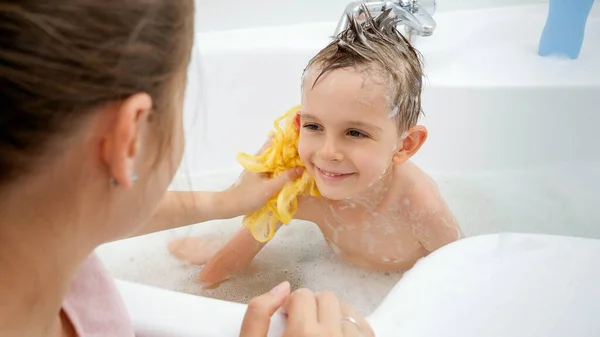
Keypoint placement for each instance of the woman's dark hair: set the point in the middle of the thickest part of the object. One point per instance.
(61, 59)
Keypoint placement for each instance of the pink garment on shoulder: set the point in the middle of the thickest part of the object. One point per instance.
(94, 305)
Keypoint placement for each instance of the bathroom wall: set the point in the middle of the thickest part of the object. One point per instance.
(231, 14)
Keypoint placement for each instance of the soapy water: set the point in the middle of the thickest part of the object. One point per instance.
(561, 200)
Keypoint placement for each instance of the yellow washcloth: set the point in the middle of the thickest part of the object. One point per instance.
(280, 156)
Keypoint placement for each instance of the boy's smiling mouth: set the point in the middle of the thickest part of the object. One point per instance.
(332, 176)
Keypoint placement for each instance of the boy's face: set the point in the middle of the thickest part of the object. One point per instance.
(347, 135)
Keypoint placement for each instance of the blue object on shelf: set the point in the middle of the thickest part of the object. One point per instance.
(565, 27)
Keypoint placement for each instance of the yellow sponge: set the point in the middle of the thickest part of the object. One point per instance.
(281, 155)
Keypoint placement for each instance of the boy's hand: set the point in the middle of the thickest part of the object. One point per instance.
(193, 250)
(235, 255)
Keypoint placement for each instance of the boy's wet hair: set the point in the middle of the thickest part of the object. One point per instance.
(60, 60)
(376, 46)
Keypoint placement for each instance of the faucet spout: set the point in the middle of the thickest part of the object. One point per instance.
(415, 18)
(409, 13)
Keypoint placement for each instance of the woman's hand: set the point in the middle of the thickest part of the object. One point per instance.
(309, 314)
(252, 190)
(249, 193)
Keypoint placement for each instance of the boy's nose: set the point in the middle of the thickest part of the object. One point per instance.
(330, 151)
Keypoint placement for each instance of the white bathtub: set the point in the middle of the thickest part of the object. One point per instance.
(513, 146)
(490, 101)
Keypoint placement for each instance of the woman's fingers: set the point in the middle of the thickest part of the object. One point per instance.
(260, 309)
(349, 329)
(302, 308)
(309, 314)
(329, 309)
(273, 185)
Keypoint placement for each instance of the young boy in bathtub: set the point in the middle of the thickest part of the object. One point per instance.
(361, 99)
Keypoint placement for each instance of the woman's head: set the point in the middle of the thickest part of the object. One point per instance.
(92, 90)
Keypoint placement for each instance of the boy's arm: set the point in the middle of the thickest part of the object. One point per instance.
(234, 256)
(240, 250)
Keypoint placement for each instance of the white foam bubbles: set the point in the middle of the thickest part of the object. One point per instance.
(557, 201)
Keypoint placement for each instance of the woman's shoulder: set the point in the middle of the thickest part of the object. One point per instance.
(93, 303)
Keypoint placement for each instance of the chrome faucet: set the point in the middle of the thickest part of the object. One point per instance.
(414, 15)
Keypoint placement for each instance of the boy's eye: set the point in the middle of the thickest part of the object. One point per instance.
(312, 127)
(356, 134)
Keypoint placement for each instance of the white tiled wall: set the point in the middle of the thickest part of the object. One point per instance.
(229, 14)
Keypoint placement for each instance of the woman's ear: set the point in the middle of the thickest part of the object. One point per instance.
(121, 140)
(410, 144)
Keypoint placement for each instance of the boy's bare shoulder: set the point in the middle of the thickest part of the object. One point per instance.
(427, 206)
(413, 188)
(410, 181)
